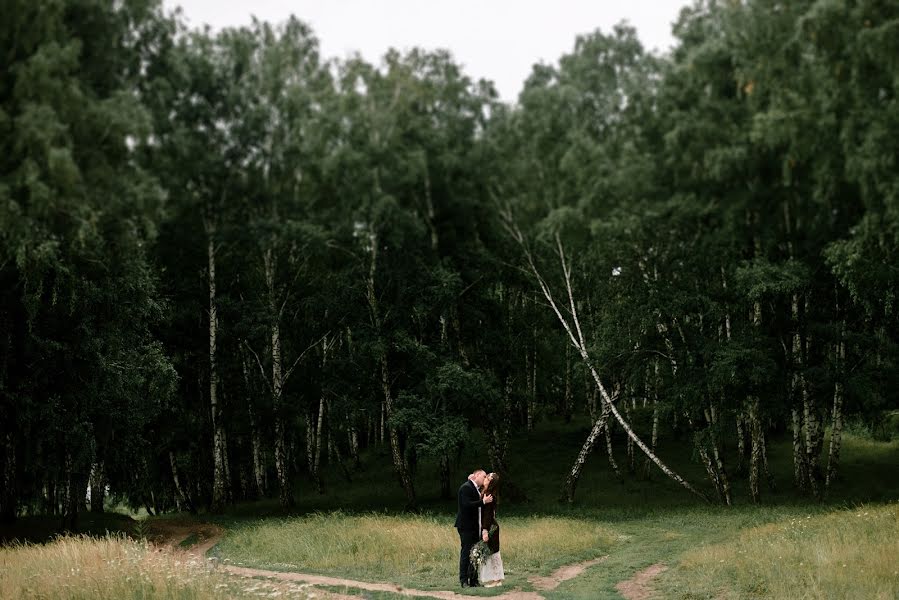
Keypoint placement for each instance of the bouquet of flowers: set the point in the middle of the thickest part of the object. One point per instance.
(481, 551)
(479, 554)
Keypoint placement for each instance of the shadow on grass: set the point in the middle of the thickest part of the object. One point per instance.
(41, 529)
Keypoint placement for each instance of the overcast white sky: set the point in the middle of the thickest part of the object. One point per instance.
(497, 40)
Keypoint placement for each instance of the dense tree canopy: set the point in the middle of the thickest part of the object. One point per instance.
(226, 261)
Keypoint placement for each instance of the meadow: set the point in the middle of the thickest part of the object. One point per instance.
(788, 547)
(115, 567)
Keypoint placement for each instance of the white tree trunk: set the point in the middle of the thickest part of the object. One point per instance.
(836, 428)
(282, 462)
(798, 399)
(755, 457)
(741, 421)
(319, 434)
(219, 482)
(575, 473)
(566, 402)
(353, 441)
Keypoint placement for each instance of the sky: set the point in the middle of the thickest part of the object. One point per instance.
(499, 40)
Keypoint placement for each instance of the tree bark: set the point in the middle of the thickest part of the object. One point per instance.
(813, 439)
(836, 428)
(655, 437)
(310, 439)
(317, 454)
(282, 464)
(707, 446)
(712, 419)
(741, 423)
(219, 483)
(566, 402)
(798, 396)
(755, 457)
(575, 473)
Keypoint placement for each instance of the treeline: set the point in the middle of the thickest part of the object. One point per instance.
(227, 262)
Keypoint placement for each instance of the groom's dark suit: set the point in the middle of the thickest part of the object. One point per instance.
(467, 525)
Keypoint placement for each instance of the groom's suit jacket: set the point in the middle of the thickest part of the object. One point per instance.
(469, 502)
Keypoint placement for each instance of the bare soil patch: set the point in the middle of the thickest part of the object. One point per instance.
(638, 586)
(563, 574)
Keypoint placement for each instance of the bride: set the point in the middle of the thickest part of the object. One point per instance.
(491, 572)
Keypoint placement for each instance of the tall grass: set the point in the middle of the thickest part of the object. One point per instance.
(419, 550)
(839, 555)
(113, 568)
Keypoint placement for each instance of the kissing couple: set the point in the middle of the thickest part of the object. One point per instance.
(479, 561)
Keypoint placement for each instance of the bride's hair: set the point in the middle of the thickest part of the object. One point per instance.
(492, 486)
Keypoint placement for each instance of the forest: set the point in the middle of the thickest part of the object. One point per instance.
(229, 264)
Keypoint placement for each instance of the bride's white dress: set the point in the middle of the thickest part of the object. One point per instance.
(491, 572)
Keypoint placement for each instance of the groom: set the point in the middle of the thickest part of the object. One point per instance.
(468, 523)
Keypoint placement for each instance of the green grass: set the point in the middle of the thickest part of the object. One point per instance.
(359, 530)
(843, 554)
(113, 568)
(411, 550)
(636, 522)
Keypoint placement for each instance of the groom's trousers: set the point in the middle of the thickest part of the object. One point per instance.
(467, 575)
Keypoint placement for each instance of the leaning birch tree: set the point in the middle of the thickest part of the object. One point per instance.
(565, 308)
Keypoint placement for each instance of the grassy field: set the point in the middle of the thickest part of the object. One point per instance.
(789, 547)
(637, 523)
(843, 554)
(115, 568)
(412, 550)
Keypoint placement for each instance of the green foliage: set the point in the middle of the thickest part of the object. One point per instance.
(727, 216)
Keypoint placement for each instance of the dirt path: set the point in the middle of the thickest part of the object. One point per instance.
(637, 587)
(563, 574)
(365, 585)
(174, 533)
